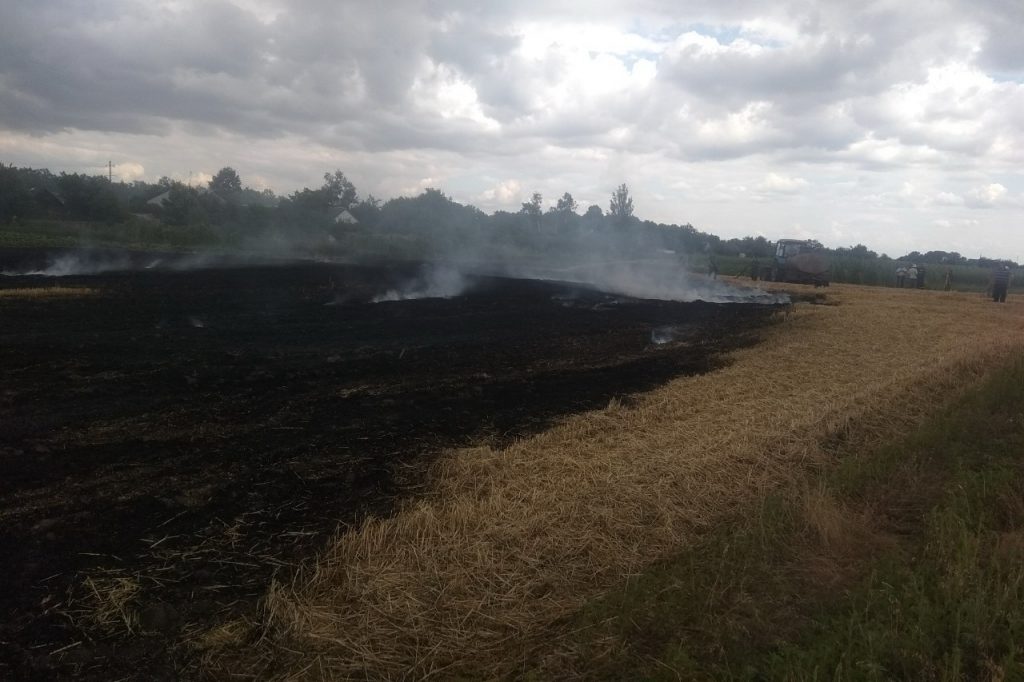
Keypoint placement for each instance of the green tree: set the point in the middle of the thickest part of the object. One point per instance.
(532, 209)
(89, 198)
(226, 182)
(367, 211)
(338, 191)
(621, 206)
(182, 206)
(566, 204)
(15, 198)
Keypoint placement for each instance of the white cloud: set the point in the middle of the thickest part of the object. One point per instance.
(881, 118)
(129, 171)
(781, 184)
(444, 93)
(750, 124)
(505, 193)
(985, 196)
(947, 199)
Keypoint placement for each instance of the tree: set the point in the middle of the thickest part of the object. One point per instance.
(621, 206)
(338, 191)
(367, 211)
(226, 182)
(566, 204)
(89, 198)
(182, 206)
(15, 198)
(532, 209)
(593, 218)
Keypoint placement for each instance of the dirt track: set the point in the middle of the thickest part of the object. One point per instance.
(182, 435)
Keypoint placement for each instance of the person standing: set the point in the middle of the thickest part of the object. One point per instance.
(912, 276)
(948, 283)
(901, 274)
(1000, 283)
(920, 276)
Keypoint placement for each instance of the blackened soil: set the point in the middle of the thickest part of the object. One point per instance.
(169, 443)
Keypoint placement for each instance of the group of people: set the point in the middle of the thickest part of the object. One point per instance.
(913, 277)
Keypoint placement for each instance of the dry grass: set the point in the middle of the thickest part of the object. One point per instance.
(47, 292)
(473, 579)
(110, 602)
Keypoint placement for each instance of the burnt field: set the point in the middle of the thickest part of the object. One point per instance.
(171, 439)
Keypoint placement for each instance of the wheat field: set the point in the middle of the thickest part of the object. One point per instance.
(476, 577)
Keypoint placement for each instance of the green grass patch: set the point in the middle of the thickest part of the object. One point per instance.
(902, 563)
(14, 238)
(137, 233)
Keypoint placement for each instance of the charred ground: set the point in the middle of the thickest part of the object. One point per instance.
(170, 442)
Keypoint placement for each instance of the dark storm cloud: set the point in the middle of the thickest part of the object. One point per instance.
(381, 45)
(115, 67)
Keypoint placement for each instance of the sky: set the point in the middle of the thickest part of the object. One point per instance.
(895, 124)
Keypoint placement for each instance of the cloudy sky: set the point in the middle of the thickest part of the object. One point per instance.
(892, 123)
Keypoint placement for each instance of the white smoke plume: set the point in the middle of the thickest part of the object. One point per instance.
(661, 282)
(87, 262)
(663, 335)
(658, 279)
(434, 282)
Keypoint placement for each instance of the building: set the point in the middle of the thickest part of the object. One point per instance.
(343, 217)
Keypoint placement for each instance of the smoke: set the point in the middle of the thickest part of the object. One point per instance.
(636, 259)
(626, 260)
(668, 281)
(663, 335)
(629, 260)
(663, 279)
(75, 263)
(93, 262)
(433, 282)
(196, 261)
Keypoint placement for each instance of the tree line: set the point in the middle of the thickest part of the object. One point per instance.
(333, 216)
(229, 212)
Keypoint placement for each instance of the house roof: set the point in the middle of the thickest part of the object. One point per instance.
(160, 199)
(164, 197)
(343, 216)
(46, 195)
